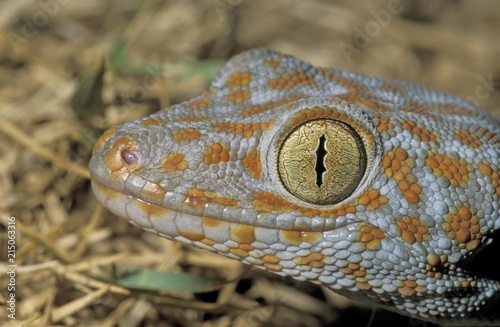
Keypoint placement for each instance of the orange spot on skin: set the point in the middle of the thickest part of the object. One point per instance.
(193, 236)
(200, 103)
(315, 256)
(211, 223)
(243, 234)
(487, 170)
(152, 210)
(370, 236)
(239, 79)
(298, 237)
(153, 122)
(247, 247)
(314, 260)
(372, 199)
(354, 269)
(153, 191)
(419, 132)
(273, 63)
(252, 163)
(197, 199)
(363, 285)
(436, 265)
(468, 283)
(467, 138)
(187, 134)
(207, 241)
(357, 272)
(292, 237)
(384, 123)
(226, 202)
(316, 264)
(268, 202)
(455, 170)
(311, 237)
(174, 161)
(463, 227)
(411, 230)
(250, 111)
(239, 252)
(246, 130)
(238, 96)
(410, 288)
(271, 262)
(216, 153)
(271, 258)
(291, 80)
(398, 165)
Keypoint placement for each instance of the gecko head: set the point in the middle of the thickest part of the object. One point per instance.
(314, 174)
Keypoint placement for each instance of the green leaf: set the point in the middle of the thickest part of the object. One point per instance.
(87, 97)
(153, 280)
(119, 62)
(118, 56)
(207, 68)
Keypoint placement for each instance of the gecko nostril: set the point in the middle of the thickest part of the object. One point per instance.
(129, 157)
(121, 154)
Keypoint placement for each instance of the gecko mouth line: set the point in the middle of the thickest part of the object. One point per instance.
(118, 201)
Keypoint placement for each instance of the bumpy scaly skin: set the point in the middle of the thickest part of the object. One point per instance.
(204, 172)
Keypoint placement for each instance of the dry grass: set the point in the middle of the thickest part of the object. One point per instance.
(68, 248)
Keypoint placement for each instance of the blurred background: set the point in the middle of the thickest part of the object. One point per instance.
(71, 69)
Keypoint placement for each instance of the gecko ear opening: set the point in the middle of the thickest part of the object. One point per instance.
(322, 161)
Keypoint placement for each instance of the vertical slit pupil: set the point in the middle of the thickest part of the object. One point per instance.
(320, 160)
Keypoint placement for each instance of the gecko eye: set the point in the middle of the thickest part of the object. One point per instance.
(322, 161)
